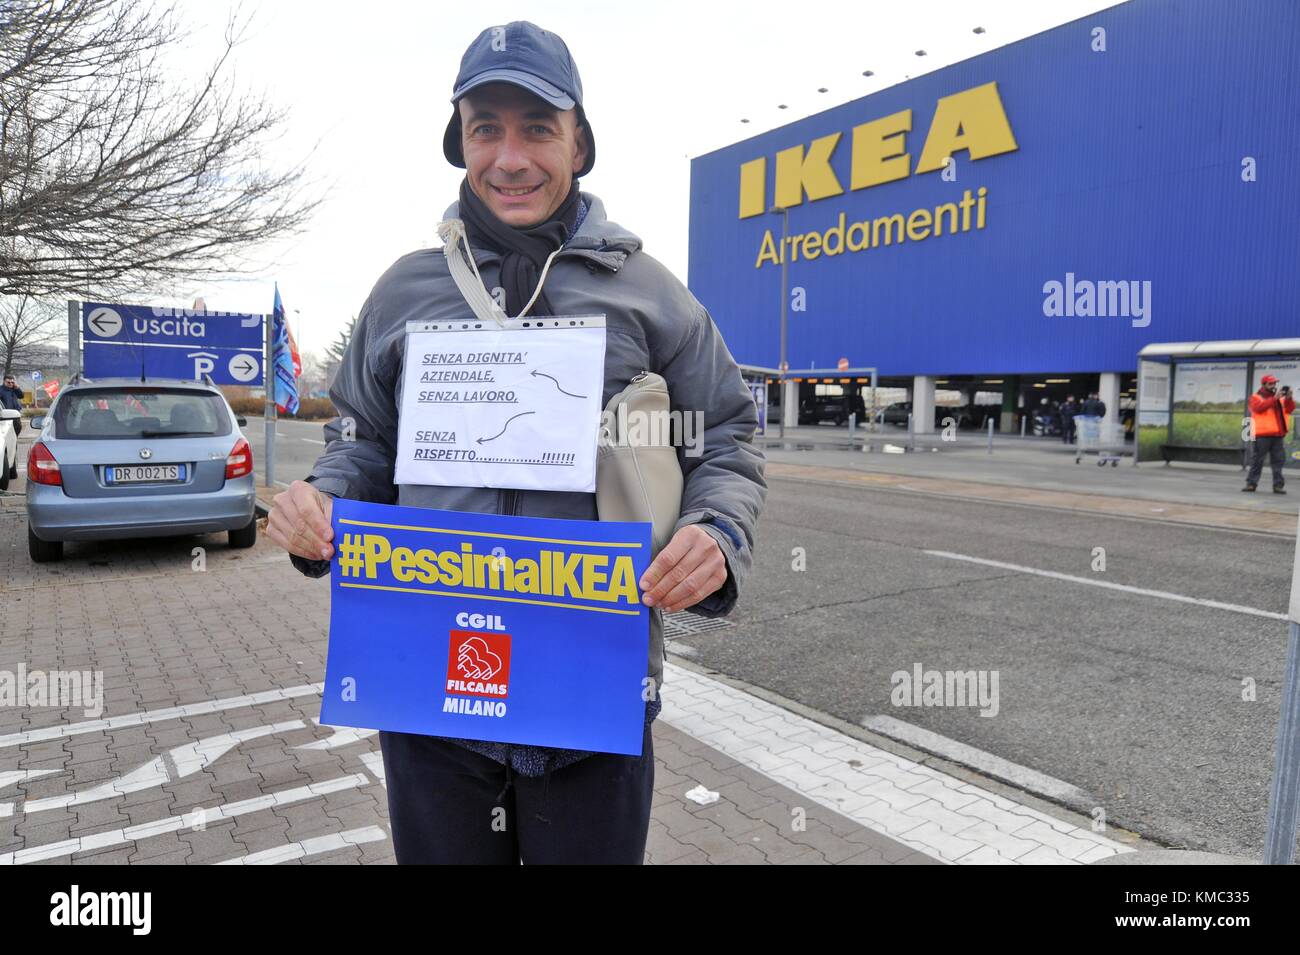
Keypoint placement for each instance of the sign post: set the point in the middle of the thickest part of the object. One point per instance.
(74, 339)
(1284, 798)
(268, 323)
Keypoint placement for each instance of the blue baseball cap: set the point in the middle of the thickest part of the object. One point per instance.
(524, 55)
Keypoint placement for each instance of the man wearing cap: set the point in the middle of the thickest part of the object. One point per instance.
(519, 130)
(11, 397)
(1270, 420)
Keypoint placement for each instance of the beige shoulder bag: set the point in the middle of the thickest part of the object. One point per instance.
(639, 482)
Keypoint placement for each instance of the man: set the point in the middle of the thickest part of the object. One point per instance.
(1094, 406)
(1270, 420)
(519, 130)
(1068, 411)
(11, 397)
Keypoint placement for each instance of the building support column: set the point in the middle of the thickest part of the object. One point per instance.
(1108, 392)
(790, 403)
(923, 404)
(1010, 404)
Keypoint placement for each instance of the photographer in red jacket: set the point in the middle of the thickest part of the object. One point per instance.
(1270, 419)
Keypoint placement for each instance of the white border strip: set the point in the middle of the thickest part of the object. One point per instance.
(929, 811)
(1022, 777)
(153, 716)
(1092, 582)
(115, 837)
(311, 847)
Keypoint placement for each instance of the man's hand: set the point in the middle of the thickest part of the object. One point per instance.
(300, 521)
(689, 569)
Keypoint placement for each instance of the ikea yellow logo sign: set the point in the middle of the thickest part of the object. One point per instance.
(973, 120)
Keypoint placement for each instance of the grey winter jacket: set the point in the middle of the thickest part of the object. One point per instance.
(653, 323)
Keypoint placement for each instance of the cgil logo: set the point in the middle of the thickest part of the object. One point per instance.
(973, 120)
(478, 663)
(103, 908)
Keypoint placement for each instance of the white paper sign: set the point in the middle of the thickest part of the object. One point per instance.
(513, 406)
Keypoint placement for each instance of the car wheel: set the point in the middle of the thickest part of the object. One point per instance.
(42, 552)
(245, 536)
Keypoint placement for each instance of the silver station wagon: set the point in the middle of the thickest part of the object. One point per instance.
(121, 458)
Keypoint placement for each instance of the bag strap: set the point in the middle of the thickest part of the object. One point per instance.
(470, 283)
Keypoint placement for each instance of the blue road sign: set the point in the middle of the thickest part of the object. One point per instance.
(145, 325)
(226, 365)
(126, 340)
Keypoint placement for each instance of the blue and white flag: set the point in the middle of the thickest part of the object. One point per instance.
(284, 360)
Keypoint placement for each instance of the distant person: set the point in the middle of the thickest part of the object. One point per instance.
(1270, 419)
(1042, 424)
(1068, 411)
(1094, 406)
(11, 398)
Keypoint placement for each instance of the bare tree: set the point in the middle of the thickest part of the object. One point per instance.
(316, 374)
(28, 330)
(115, 177)
(335, 351)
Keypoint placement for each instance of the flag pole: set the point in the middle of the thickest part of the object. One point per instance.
(268, 376)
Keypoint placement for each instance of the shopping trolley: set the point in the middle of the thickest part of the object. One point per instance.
(1088, 441)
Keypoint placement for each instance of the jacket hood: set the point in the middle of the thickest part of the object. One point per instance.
(597, 232)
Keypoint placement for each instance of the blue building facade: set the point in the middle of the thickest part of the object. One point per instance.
(1123, 179)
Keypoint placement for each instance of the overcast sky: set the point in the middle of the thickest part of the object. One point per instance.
(367, 86)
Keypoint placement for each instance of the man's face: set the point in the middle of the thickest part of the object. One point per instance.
(10, 383)
(520, 152)
(1270, 386)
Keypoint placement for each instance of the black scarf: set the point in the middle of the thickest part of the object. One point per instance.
(523, 251)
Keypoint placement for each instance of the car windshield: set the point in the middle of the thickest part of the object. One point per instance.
(140, 412)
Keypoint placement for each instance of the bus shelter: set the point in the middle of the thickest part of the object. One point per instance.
(1192, 398)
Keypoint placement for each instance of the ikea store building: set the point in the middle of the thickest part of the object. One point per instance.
(1118, 195)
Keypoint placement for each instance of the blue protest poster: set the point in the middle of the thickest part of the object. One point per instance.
(488, 627)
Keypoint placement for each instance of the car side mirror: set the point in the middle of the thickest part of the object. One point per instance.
(10, 413)
(241, 421)
(38, 422)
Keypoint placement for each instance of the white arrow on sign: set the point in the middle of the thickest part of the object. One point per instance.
(243, 368)
(36, 376)
(104, 322)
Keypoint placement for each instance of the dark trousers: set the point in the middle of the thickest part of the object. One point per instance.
(1270, 447)
(446, 806)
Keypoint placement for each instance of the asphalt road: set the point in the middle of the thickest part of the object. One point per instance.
(1135, 699)
(297, 445)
